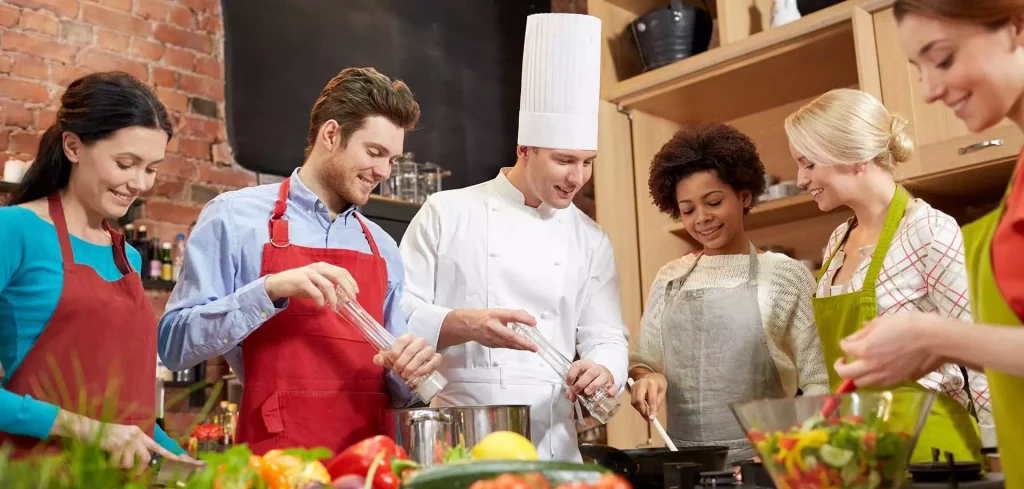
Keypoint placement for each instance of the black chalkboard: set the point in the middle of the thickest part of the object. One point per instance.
(462, 59)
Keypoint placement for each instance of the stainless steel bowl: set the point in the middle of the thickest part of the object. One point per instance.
(427, 433)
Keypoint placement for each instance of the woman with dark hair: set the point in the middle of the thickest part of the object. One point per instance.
(971, 58)
(78, 336)
(728, 323)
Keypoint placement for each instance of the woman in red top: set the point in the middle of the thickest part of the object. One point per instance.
(971, 58)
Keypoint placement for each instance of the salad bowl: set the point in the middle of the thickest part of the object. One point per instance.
(864, 444)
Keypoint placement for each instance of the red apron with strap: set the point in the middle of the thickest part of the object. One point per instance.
(97, 354)
(310, 380)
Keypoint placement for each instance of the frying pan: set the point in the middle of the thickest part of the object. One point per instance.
(644, 467)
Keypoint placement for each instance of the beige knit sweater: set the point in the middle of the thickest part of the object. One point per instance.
(784, 296)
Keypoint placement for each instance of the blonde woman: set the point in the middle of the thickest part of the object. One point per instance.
(896, 254)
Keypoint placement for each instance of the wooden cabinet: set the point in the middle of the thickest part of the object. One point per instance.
(756, 77)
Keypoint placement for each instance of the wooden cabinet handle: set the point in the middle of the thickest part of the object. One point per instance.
(982, 145)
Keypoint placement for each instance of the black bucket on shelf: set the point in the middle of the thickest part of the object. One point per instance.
(670, 34)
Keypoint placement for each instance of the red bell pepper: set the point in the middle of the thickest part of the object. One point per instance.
(379, 455)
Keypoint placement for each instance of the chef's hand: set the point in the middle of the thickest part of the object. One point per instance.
(648, 393)
(888, 349)
(588, 377)
(124, 443)
(318, 281)
(409, 357)
(489, 327)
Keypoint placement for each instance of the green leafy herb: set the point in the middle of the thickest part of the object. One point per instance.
(457, 454)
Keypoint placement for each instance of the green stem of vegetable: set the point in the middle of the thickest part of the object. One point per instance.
(373, 470)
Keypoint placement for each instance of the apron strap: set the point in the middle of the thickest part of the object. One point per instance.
(118, 240)
(892, 221)
(279, 226)
(61, 225)
(842, 241)
(369, 237)
(752, 277)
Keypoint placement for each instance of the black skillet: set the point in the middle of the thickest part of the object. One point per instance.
(644, 467)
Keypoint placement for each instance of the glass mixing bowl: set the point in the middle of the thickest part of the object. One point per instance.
(864, 444)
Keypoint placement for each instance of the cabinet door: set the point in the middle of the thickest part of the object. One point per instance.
(943, 141)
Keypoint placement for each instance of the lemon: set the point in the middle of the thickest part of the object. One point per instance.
(504, 445)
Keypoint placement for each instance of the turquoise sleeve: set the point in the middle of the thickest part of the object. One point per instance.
(19, 415)
(12, 252)
(161, 438)
(23, 415)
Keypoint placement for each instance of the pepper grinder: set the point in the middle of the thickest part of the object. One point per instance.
(601, 406)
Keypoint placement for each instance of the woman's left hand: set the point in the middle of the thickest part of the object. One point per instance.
(889, 349)
(409, 357)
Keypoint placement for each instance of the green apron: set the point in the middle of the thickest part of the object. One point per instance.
(950, 427)
(989, 307)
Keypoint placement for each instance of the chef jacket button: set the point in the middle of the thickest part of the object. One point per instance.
(320, 205)
(494, 208)
(225, 340)
(309, 211)
(494, 254)
(263, 314)
(545, 315)
(558, 263)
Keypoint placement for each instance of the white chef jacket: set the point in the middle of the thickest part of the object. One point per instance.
(481, 247)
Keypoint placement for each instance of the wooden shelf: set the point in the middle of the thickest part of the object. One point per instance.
(158, 284)
(772, 213)
(693, 89)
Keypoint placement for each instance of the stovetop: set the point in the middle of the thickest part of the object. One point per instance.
(991, 481)
(751, 475)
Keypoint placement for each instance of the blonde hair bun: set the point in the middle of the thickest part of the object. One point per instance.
(901, 146)
(846, 126)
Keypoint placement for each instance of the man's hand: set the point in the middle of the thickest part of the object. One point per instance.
(648, 393)
(588, 377)
(410, 357)
(487, 327)
(318, 281)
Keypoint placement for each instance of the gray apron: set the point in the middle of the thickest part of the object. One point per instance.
(715, 354)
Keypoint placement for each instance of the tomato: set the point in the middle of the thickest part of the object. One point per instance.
(613, 481)
(755, 436)
(536, 481)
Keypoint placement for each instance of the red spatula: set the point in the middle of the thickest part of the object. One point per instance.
(832, 403)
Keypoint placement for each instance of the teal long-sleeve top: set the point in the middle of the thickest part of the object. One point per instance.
(31, 276)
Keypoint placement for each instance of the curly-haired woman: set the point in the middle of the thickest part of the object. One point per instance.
(728, 323)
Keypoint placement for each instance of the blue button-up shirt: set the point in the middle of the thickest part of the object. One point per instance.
(220, 299)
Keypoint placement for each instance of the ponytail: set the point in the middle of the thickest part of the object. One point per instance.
(49, 173)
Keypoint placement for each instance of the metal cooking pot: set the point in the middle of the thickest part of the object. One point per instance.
(427, 433)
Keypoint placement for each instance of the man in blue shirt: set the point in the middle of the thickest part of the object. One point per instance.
(266, 267)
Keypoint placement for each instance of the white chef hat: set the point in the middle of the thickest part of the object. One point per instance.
(560, 92)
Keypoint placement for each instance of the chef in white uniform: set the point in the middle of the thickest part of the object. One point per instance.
(515, 248)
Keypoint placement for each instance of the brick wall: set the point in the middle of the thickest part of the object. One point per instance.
(174, 45)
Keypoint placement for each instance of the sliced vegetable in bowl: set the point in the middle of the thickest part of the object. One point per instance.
(865, 445)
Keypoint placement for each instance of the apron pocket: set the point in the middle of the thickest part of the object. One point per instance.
(330, 419)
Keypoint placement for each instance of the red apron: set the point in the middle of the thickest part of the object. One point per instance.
(310, 380)
(97, 351)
